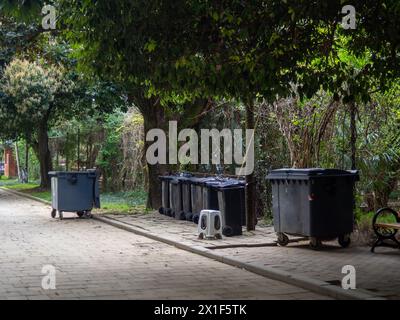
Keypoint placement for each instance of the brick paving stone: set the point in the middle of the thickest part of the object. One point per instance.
(97, 261)
(377, 272)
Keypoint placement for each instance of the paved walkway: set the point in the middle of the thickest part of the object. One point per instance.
(96, 261)
(378, 274)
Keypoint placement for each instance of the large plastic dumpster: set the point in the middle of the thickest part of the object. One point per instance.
(232, 205)
(165, 203)
(316, 203)
(74, 191)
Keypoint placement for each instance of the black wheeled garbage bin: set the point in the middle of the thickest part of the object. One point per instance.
(179, 195)
(210, 195)
(196, 196)
(316, 203)
(165, 203)
(232, 205)
(186, 182)
(196, 190)
(74, 191)
(175, 197)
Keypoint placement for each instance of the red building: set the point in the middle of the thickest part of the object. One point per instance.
(10, 166)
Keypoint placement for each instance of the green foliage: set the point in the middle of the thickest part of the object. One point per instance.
(379, 145)
(31, 92)
(227, 50)
(110, 155)
(33, 162)
(235, 49)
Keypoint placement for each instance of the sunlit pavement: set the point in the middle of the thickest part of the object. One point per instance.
(376, 274)
(93, 260)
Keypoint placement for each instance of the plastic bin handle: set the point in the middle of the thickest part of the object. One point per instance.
(72, 178)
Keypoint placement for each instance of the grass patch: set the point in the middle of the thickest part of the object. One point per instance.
(7, 182)
(367, 217)
(32, 189)
(22, 186)
(127, 202)
(44, 195)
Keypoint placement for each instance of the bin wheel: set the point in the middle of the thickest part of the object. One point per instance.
(283, 239)
(182, 215)
(344, 240)
(60, 214)
(315, 243)
(227, 231)
(161, 210)
(53, 213)
(189, 216)
(88, 214)
(80, 214)
(196, 218)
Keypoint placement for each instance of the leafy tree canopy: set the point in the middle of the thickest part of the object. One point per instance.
(234, 48)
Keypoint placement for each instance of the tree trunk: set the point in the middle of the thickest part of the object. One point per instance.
(353, 135)
(18, 164)
(43, 154)
(154, 117)
(250, 182)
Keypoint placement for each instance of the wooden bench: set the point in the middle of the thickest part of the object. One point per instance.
(386, 231)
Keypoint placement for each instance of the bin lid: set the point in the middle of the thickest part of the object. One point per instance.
(179, 176)
(167, 177)
(67, 173)
(201, 181)
(286, 173)
(174, 181)
(226, 183)
(184, 177)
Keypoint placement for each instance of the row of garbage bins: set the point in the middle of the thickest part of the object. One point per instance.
(184, 196)
(313, 202)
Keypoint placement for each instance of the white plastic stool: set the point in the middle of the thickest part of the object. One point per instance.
(210, 225)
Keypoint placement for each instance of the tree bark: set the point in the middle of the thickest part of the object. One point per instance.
(18, 164)
(43, 154)
(353, 135)
(251, 217)
(155, 116)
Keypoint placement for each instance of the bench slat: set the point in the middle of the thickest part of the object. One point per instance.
(388, 225)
